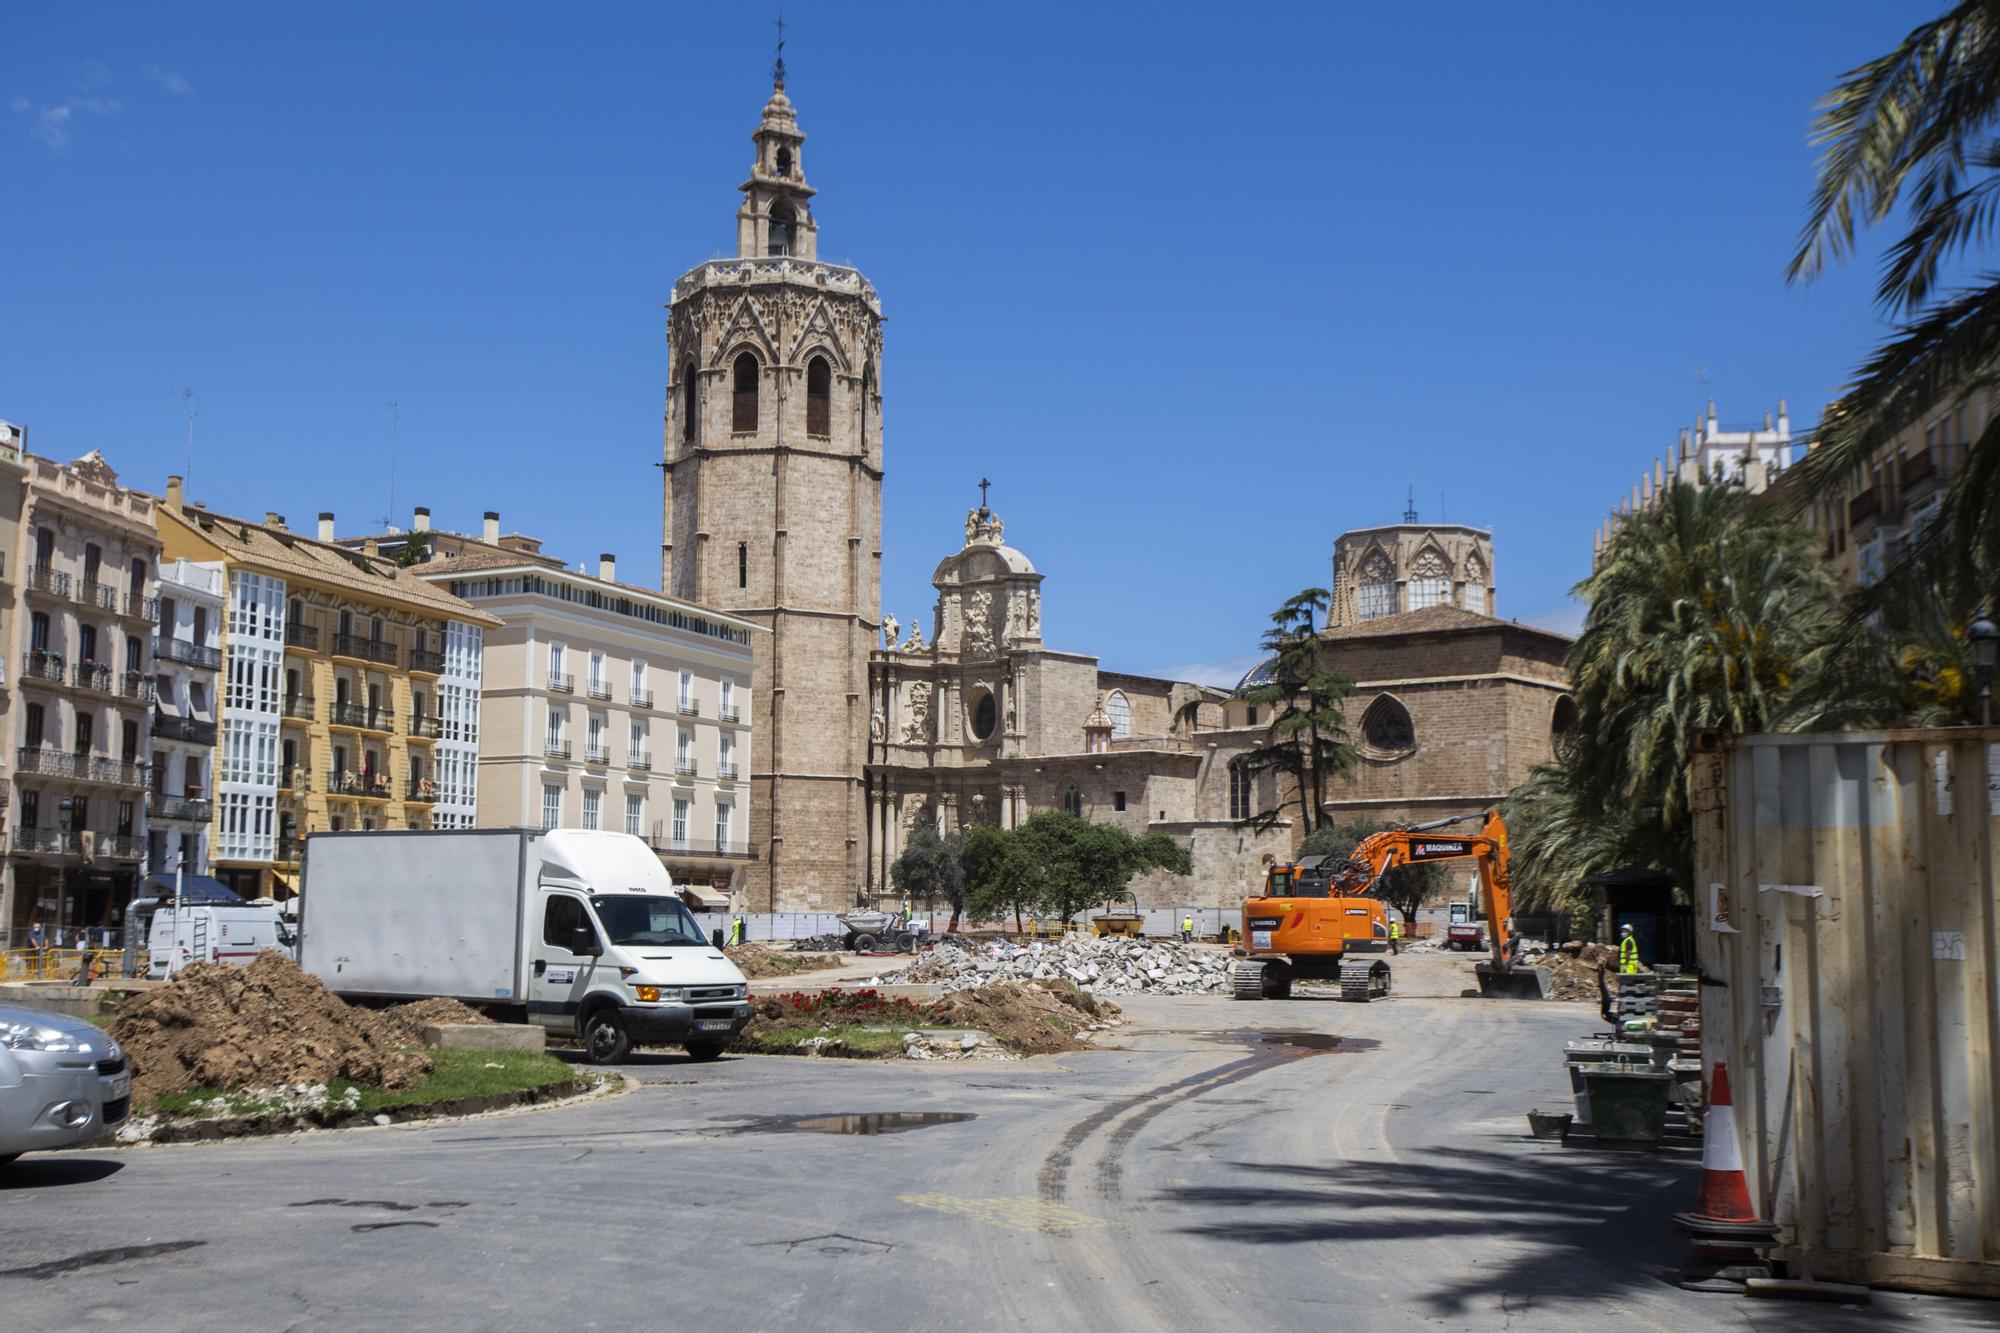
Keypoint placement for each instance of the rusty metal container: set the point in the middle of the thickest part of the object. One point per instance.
(1849, 902)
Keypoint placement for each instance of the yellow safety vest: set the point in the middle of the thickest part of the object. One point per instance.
(1395, 930)
(1628, 954)
(1187, 923)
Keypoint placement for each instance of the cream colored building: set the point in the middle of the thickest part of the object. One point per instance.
(604, 705)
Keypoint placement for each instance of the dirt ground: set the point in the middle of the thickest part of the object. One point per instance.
(217, 1025)
(410, 1020)
(1574, 969)
(1030, 1017)
(757, 962)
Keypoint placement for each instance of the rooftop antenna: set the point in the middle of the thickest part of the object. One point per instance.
(395, 430)
(1410, 506)
(188, 394)
(778, 65)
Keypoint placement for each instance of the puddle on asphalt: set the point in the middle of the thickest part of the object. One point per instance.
(868, 1122)
(1311, 1041)
(1305, 1043)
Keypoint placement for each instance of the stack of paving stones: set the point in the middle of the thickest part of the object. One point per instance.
(1109, 966)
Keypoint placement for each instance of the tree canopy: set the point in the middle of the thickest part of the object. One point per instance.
(1306, 739)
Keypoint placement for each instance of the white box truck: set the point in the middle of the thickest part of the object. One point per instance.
(577, 931)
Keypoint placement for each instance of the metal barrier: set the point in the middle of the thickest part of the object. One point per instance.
(59, 964)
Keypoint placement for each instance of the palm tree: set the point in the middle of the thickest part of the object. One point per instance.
(1706, 613)
(1919, 127)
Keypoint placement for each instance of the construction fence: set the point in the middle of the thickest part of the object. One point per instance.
(1849, 937)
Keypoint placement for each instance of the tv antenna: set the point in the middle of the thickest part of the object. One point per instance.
(188, 480)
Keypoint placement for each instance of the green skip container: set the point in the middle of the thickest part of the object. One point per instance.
(1628, 1106)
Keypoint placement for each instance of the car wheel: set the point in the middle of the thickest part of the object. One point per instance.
(605, 1040)
(864, 944)
(706, 1050)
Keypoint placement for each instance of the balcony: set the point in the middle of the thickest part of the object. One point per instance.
(118, 847)
(46, 842)
(173, 727)
(725, 772)
(189, 809)
(1863, 508)
(303, 637)
(99, 679)
(365, 650)
(599, 689)
(688, 707)
(562, 684)
(43, 761)
(426, 661)
(52, 582)
(641, 762)
(596, 755)
(1919, 469)
(555, 749)
(642, 698)
(297, 778)
(734, 851)
(363, 717)
(190, 654)
(422, 792)
(300, 707)
(363, 786)
(731, 714)
(684, 768)
(38, 667)
(426, 727)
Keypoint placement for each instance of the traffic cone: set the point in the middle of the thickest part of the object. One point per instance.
(1724, 1202)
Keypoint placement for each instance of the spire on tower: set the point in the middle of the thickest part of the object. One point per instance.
(1410, 506)
(778, 64)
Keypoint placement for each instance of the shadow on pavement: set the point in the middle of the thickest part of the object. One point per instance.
(42, 1173)
(1587, 1230)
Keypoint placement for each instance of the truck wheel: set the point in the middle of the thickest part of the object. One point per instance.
(706, 1050)
(906, 943)
(864, 944)
(605, 1040)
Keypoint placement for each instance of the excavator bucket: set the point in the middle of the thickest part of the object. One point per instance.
(1519, 982)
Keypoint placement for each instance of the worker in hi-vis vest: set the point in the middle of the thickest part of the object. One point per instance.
(1187, 929)
(1395, 934)
(1628, 949)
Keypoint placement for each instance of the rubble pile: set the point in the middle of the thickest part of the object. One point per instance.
(217, 1025)
(1108, 966)
(1033, 1018)
(833, 943)
(755, 961)
(409, 1020)
(1573, 968)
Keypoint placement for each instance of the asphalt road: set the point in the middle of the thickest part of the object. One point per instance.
(1203, 1175)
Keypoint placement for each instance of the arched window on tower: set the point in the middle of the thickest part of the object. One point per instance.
(1240, 791)
(687, 404)
(1475, 586)
(867, 398)
(819, 393)
(784, 223)
(1119, 709)
(1375, 596)
(1430, 581)
(784, 160)
(743, 403)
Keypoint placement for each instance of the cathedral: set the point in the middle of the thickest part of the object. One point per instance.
(864, 728)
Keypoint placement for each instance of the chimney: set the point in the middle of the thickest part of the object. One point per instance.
(491, 534)
(422, 521)
(173, 492)
(369, 546)
(273, 519)
(607, 567)
(326, 525)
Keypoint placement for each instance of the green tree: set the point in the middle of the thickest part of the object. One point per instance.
(1704, 613)
(1084, 864)
(1918, 131)
(931, 868)
(1306, 741)
(1000, 875)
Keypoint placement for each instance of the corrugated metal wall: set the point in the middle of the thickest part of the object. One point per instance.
(1849, 904)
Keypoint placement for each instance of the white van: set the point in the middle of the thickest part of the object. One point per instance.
(214, 933)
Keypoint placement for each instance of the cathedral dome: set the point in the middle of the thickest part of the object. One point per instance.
(1261, 674)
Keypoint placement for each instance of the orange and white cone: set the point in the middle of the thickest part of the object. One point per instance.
(1724, 1203)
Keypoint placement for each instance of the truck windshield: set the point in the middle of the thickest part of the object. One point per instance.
(635, 919)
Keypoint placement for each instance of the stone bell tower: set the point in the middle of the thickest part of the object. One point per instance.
(773, 511)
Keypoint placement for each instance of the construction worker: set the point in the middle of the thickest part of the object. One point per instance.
(1395, 935)
(736, 931)
(1628, 950)
(1187, 930)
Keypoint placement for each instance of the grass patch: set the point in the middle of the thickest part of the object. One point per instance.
(459, 1074)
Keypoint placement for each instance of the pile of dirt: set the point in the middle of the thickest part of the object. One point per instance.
(754, 961)
(410, 1020)
(1031, 1017)
(217, 1025)
(1573, 969)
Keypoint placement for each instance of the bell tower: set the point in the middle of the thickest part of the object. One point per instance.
(772, 510)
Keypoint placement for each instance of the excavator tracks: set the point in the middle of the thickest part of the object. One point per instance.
(1247, 980)
(1363, 978)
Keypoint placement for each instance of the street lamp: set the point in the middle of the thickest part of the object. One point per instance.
(1985, 638)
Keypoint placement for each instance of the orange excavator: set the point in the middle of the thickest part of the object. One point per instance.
(1319, 918)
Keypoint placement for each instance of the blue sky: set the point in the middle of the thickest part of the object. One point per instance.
(1197, 287)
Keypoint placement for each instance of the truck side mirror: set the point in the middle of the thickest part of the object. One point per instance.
(715, 937)
(583, 940)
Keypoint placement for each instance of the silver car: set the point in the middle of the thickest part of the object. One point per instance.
(62, 1082)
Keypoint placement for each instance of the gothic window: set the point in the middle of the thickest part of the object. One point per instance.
(1475, 586)
(1239, 791)
(743, 404)
(1562, 727)
(1386, 728)
(1119, 710)
(819, 391)
(1430, 581)
(1376, 595)
(784, 222)
(687, 404)
(1073, 802)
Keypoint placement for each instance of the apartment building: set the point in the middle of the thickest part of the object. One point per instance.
(604, 705)
(187, 666)
(86, 550)
(347, 683)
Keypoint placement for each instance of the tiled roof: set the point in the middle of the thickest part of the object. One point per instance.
(1430, 620)
(291, 555)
